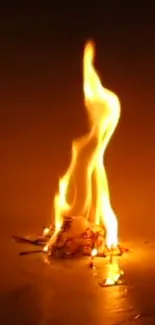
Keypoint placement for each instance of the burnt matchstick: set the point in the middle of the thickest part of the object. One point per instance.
(29, 252)
(24, 240)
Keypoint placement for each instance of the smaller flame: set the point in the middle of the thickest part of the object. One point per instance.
(51, 241)
(94, 252)
(114, 274)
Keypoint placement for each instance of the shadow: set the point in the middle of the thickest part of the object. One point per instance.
(20, 307)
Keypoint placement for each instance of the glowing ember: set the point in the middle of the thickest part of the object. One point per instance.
(94, 252)
(46, 231)
(83, 190)
(45, 249)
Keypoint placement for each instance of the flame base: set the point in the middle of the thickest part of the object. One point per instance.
(75, 238)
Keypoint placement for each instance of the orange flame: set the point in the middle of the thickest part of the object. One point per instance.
(86, 177)
(114, 274)
(103, 107)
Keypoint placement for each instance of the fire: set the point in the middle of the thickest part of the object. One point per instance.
(86, 173)
(114, 274)
(103, 108)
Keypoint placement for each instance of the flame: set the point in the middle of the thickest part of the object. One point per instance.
(114, 274)
(86, 173)
(103, 108)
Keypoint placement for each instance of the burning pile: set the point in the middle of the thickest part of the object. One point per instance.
(83, 194)
(84, 219)
(70, 241)
(76, 237)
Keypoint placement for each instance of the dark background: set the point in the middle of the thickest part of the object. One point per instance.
(41, 105)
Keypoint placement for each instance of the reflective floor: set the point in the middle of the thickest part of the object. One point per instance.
(69, 292)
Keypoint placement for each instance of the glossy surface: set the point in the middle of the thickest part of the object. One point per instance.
(69, 292)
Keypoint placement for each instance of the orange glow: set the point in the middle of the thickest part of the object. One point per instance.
(103, 109)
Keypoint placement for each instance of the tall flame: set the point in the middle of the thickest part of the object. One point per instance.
(86, 174)
(103, 107)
